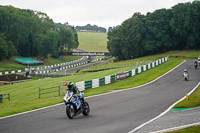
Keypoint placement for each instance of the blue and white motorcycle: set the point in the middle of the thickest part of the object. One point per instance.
(76, 105)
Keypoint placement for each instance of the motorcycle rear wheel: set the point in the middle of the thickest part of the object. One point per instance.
(86, 109)
(70, 111)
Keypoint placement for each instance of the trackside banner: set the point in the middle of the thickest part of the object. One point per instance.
(85, 53)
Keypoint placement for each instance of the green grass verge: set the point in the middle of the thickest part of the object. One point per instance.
(189, 54)
(195, 129)
(137, 80)
(92, 42)
(52, 61)
(24, 96)
(194, 100)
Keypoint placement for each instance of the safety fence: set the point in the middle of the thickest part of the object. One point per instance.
(50, 69)
(59, 90)
(4, 96)
(94, 83)
(58, 66)
(43, 91)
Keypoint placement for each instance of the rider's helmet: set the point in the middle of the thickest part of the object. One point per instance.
(185, 70)
(70, 84)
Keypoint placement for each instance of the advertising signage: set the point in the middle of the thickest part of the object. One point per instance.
(85, 53)
(123, 75)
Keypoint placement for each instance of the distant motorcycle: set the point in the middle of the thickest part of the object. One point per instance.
(195, 64)
(76, 105)
(186, 76)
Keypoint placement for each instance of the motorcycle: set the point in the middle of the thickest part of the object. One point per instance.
(195, 64)
(186, 76)
(76, 105)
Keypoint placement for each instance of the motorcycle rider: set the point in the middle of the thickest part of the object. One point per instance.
(185, 71)
(186, 74)
(73, 90)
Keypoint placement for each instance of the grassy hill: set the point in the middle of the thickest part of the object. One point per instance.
(92, 41)
(24, 96)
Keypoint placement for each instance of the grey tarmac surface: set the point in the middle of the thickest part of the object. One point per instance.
(73, 70)
(118, 112)
(173, 119)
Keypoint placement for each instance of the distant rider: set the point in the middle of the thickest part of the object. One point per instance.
(195, 64)
(186, 73)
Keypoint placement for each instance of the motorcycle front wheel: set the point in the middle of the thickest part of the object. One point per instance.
(70, 111)
(86, 109)
(185, 79)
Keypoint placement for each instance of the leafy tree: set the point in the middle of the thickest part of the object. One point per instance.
(3, 47)
(33, 33)
(89, 27)
(114, 43)
(158, 32)
(67, 39)
(163, 30)
(6, 48)
(184, 24)
(128, 43)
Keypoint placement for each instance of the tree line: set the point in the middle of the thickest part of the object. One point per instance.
(177, 28)
(31, 33)
(93, 28)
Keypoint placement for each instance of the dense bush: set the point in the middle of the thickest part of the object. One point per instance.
(177, 28)
(32, 33)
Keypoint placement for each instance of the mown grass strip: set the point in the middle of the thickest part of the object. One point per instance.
(194, 100)
(195, 129)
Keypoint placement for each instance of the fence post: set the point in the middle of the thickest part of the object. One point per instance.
(1, 98)
(39, 92)
(59, 90)
(9, 96)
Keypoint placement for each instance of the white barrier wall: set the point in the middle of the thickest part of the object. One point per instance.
(107, 80)
(96, 82)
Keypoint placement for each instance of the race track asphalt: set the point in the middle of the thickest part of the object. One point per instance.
(118, 112)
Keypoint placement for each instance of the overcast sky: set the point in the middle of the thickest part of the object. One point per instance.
(103, 13)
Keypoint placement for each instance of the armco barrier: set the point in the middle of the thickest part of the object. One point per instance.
(129, 73)
(88, 84)
(102, 81)
(136, 71)
(111, 79)
(45, 67)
